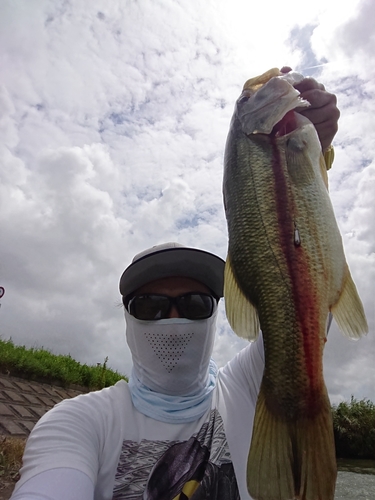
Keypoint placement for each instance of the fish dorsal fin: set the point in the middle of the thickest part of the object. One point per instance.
(241, 314)
(348, 311)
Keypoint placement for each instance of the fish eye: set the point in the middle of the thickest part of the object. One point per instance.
(243, 99)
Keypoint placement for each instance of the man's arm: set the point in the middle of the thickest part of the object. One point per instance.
(56, 484)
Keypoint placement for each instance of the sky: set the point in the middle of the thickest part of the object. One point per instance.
(113, 121)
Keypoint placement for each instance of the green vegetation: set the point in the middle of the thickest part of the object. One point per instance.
(41, 364)
(354, 428)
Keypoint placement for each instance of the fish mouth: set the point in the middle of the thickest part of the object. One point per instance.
(269, 108)
(286, 125)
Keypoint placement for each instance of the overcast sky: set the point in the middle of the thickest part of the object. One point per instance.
(113, 120)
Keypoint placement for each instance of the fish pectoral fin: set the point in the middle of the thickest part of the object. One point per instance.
(348, 310)
(242, 314)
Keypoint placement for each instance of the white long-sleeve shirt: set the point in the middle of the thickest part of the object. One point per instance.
(98, 446)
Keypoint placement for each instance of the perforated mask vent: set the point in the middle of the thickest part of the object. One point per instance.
(168, 348)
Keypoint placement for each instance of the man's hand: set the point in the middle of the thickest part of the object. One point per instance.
(323, 112)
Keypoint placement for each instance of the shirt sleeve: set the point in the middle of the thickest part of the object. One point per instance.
(56, 484)
(81, 434)
(251, 361)
(246, 369)
(69, 435)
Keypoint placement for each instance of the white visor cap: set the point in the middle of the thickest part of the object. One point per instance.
(173, 259)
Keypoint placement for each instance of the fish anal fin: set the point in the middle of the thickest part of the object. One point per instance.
(348, 310)
(242, 315)
(291, 459)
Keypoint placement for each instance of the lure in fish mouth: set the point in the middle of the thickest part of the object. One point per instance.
(285, 271)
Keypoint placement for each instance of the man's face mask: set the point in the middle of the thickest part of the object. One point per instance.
(171, 356)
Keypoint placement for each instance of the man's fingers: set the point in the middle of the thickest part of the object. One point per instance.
(323, 113)
(319, 98)
(326, 132)
(308, 84)
(325, 122)
(320, 115)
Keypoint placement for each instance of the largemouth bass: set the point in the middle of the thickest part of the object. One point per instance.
(285, 272)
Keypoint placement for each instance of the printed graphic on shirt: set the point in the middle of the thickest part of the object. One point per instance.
(198, 468)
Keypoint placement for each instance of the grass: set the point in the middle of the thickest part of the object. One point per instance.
(42, 365)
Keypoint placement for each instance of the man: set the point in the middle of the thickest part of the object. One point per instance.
(181, 428)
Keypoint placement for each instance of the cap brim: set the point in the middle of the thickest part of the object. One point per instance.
(179, 261)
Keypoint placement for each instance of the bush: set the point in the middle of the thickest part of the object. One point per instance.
(354, 429)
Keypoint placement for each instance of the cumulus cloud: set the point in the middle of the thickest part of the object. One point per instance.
(113, 123)
(356, 35)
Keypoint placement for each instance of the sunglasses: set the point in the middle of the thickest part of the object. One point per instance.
(151, 306)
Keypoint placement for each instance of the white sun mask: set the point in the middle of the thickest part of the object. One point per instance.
(171, 356)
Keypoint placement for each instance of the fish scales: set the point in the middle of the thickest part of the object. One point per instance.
(285, 270)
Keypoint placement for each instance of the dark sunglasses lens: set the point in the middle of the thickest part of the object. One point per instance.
(196, 306)
(149, 307)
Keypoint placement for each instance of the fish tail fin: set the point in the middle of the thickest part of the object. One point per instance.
(270, 462)
(348, 311)
(242, 315)
(316, 445)
(291, 460)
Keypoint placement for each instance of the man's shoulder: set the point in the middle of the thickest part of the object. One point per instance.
(114, 395)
